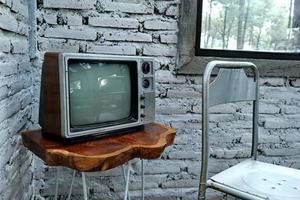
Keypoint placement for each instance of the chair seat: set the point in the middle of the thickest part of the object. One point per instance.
(258, 181)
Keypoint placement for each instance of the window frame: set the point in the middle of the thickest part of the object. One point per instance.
(234, 53)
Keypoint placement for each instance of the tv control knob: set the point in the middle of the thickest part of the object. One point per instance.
(146, 83)
(143, 97)
(146, 67)
(142, 106)
(142, 115)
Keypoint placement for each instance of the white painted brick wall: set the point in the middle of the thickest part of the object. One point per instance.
(149, 28)
(16, 170)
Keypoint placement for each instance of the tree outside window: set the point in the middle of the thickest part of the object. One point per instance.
(250, 25)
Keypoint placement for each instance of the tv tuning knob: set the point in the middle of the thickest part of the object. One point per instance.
(143, 97)
(146, 67)
(143, 106)
(142, 115)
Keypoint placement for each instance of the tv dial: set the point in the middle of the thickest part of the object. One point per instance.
(146, 83)
(146, 67)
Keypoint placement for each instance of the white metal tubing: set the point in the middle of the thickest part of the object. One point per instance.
(85, 196)
(56, 184)
(127, 181)
(205, 115)
(124, 178)
(143, 179)
(234, 192)
(71, 186)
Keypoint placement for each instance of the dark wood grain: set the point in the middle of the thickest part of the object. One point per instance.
(50, 112)
(101, 154)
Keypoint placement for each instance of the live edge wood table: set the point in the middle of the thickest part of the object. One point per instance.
(101, 154)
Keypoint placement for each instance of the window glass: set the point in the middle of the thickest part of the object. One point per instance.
(251, 25)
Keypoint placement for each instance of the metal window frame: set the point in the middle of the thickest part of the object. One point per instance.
(234, 53)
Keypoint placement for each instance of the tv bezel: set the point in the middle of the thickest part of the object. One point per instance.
(133, 115)
(64, 93)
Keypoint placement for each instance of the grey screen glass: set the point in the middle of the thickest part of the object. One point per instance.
(99, 92)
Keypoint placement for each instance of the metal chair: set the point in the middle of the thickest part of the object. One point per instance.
(250, 179)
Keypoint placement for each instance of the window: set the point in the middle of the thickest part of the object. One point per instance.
(249, 28)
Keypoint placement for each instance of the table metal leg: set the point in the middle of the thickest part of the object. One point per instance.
(84, 186)
(124, 177)
(127, 180)
(143, 179)
(71, 186)
(56, 184)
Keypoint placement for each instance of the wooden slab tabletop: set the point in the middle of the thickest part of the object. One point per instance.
(100, 154)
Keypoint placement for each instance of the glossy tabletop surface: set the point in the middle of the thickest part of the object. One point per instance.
(103, 153)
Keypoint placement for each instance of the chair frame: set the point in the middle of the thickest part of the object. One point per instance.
(205, 113)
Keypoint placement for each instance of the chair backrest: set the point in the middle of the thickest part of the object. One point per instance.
(231, 85)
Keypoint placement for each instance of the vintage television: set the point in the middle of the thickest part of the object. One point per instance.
(87, 95)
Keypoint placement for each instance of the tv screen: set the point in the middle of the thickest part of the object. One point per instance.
(99, 92)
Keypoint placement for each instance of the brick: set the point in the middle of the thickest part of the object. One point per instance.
(10, 108)
(169, 110)
(117, 49)
(165, 76)
(159, 24)
(113, 22)
(20, 8)
(184, 154)
(5, 45)
(281, 152)
(3, 92)
(172, 11)
(159, 50)
(58, 45)
(136, 8)
(23, 29)
(74, 20)
(280, 123)
(168, 38)
(181, 183)
(154, 167)
(223, 109)
(20, 46)
(296, 83)
(231, 153)
(173, 93)
(63, 32)
(50, 18)
(289, 109)
(162, 6)
(272, 81)
(128, 36)
(8, 22)
(71, 4)
(7, 69)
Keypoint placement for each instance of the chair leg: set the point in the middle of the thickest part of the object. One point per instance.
(143, 179)
(85, 196)
(71, 187)
(57, 182)
(202, 191)
(127, 181)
